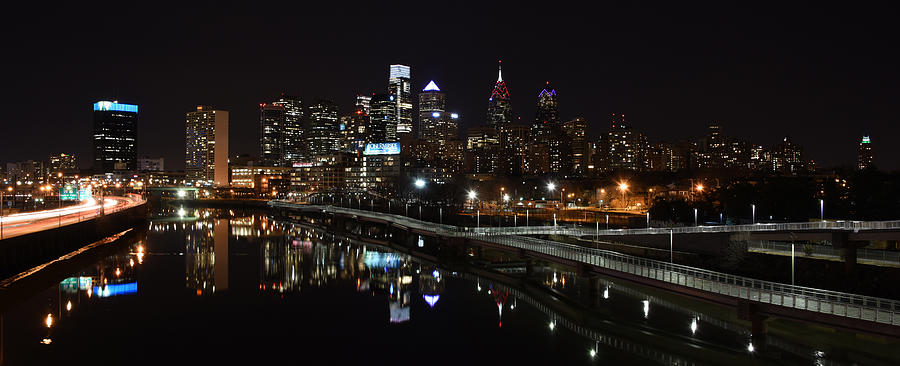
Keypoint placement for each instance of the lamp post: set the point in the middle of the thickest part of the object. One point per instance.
(752, 213)
(505, 201)
(822, 209)
(622, 188)
(551, 186)
(695, 217)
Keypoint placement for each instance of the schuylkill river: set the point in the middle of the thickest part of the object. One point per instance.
(238, 286)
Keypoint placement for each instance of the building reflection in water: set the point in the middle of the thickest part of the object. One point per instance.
(206, 256)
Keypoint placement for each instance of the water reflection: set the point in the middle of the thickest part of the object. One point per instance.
(230, 257)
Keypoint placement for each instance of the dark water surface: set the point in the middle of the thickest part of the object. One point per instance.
(233, 286)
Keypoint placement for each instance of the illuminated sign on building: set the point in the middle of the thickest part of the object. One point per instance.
(382, 148)
(113, 106)
(302, 164)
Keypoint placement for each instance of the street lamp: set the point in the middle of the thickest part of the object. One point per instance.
(420, 184)
(822, 209)
(623, 186)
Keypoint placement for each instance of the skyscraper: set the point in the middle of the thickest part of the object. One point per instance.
(788, 157)
(271, 137)
(383, 118)
(206, 146)
(575, 146)
(432, 112)
(499, 112)
(547, 113)
(293, 134)
(115, 136)
(866, 158)
(625, 150)
(324, 128)
(363, 102)
(546, 129)
(356, 130)
(399, 85)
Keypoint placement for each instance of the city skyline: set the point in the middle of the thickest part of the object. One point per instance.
(825, 108)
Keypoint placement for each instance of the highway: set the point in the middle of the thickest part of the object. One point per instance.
(29, 222)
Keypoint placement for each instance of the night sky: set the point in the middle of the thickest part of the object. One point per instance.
(824, 76)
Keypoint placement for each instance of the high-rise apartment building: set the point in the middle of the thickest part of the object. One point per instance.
(115, 136)
(513, 144)
(206, 146)
(625, 146)
(399, 85)
(865, 158)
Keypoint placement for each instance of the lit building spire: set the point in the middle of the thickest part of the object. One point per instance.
(499, 71)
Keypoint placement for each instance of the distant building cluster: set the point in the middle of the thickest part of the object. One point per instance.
(315, 147)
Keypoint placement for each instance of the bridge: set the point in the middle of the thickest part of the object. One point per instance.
(754, 298)
(31, 222)
(858, 230)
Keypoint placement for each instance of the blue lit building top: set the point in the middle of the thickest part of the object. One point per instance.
(115, 106)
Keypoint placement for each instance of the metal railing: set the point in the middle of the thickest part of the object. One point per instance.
(848, 305)
(793, 226)
(826, 251)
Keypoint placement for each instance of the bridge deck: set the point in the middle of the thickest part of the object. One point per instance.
(882, 315)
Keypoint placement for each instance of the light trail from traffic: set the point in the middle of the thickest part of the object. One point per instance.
(29, 222)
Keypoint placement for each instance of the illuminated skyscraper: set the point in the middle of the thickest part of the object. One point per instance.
(787, 157)
(363, 102)
(866, 158)
(271, 140)
(206, 146)
(400, 86)
(324, 128)
(513, 144)
(547, 114)
(115, 136)
(546, 129)
(575, 146)
(624, 149)
(499, 112)
(383, 118)
(355, 132)
(432, 114)
(294, 144)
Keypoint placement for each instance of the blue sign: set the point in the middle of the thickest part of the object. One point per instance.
(116, 289)
(382, 148)
(113, 106)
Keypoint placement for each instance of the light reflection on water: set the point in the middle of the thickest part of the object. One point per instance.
(234, 259)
